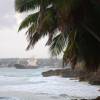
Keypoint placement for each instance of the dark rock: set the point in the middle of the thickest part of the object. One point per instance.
(84, 75)
(60, 72)
(91, 77)
(50, 73)
(95, 78)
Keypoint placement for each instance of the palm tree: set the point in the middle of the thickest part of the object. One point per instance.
(83, 39)
(39, 24)
(72, 27)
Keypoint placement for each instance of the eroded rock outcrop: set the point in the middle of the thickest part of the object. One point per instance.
(61, 72)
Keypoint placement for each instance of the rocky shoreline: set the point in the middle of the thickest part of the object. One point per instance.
(61, 72)
(93, 77)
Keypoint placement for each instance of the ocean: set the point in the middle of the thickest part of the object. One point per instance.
(30, 81)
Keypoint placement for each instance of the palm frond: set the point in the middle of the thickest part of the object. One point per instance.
(33, 39)
(26, 5)
(30, 19)
(58, 44)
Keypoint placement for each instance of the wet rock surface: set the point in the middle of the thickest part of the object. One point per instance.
(61, 72)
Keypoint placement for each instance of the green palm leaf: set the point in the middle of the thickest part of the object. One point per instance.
(58, 44)
(26, 5)
(28, 21)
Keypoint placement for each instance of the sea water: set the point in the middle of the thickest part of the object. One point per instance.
(31, 80)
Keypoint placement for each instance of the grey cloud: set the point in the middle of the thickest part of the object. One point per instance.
(7, 14)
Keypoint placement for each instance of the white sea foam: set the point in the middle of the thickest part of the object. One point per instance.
(55, 86)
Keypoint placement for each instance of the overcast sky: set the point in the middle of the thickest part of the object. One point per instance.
(12, 43)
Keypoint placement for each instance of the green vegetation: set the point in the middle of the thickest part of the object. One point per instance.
(73, 27)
